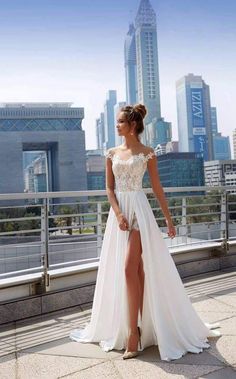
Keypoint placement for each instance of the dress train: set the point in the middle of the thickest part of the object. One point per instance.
(169, 319)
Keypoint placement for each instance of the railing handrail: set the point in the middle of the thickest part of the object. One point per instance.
(58, 194)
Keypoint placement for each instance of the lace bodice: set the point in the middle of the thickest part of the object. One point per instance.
(129, 173)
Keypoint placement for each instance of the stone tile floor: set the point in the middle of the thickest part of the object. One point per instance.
(40, 347)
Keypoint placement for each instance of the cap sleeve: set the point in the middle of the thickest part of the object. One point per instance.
(150, 155)
(108, 154)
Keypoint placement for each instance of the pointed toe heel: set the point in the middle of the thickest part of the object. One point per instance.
(139, 332)
(131, 354)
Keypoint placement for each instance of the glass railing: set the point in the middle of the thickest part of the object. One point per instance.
(46, 231)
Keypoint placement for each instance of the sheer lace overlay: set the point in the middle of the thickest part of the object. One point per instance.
(129, 173)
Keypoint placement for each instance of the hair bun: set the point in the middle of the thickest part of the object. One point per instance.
(141, 109)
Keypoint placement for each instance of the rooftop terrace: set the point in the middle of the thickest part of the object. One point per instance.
(39, 347)
(50, 245)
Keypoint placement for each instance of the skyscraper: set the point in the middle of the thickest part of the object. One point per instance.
(221, 144)
(100, 133)
(214, 123)
(130, 66)
(234, 142)
(221, 147)
(158, 132)
(109, 122)
(194, 116)
(141, 56)
(147, 60)
(117, 107)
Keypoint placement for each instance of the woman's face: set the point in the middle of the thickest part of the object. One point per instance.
(122, 125)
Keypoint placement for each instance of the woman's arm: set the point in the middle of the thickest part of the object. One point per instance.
(110, 185)
(157, 187)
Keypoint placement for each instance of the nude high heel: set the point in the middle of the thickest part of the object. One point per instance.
(131, 354)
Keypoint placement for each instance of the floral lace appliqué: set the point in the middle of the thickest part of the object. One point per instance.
(145, 157)
(129, 173)
(108, 154)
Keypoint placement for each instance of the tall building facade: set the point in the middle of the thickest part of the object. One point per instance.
(109, 121)
(117, 107)
(130, 66)
(221, 144)
(95, 170)
(148, 87)
(214, 123)
(100, 131)
(234, 143)
(54, 128)
(142, 67)
(194, 116)
(158, 132)
(179, 170)
(220, 172)
(221, 147)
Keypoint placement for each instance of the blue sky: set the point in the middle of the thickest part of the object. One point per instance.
(72, 50)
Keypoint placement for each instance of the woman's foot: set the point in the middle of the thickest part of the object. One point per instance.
(132, 343)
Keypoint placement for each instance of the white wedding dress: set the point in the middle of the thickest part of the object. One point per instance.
(169, 320)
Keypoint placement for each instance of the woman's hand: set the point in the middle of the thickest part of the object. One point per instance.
(123, 222)
(171, 229)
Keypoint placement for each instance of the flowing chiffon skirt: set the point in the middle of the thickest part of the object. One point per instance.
(168, 319)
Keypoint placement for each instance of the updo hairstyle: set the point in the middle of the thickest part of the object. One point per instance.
(136, 113)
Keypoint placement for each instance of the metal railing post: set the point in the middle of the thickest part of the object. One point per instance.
(45, 245)
(184, 219)
(99, 228)
(224, 234)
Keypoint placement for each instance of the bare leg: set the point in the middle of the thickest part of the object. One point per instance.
(133, 285)
(141, 283)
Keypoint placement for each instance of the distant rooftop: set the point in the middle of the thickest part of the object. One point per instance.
(36, 105)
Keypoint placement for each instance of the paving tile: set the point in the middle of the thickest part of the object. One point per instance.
(134, 368)
(7, 339)
(67, 347)
(29, 333)
(215, 316)
(46, 351)
(227, 321)
(78, 318)
(216, 284)
(102, 371)
(35, 334)
(224, 349)
(8, 366)
(47, 366)
(224, 373)
(208, 304)
(62, 314)
(227, 299)
(151, 354)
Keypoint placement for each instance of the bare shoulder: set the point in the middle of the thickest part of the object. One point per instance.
(114, 149)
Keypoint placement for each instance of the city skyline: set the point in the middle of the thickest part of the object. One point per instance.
(63, 51)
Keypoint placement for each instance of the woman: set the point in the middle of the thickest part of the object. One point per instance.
(137, 281)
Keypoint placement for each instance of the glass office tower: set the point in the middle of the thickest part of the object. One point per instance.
(194, 116)
(141, 62)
